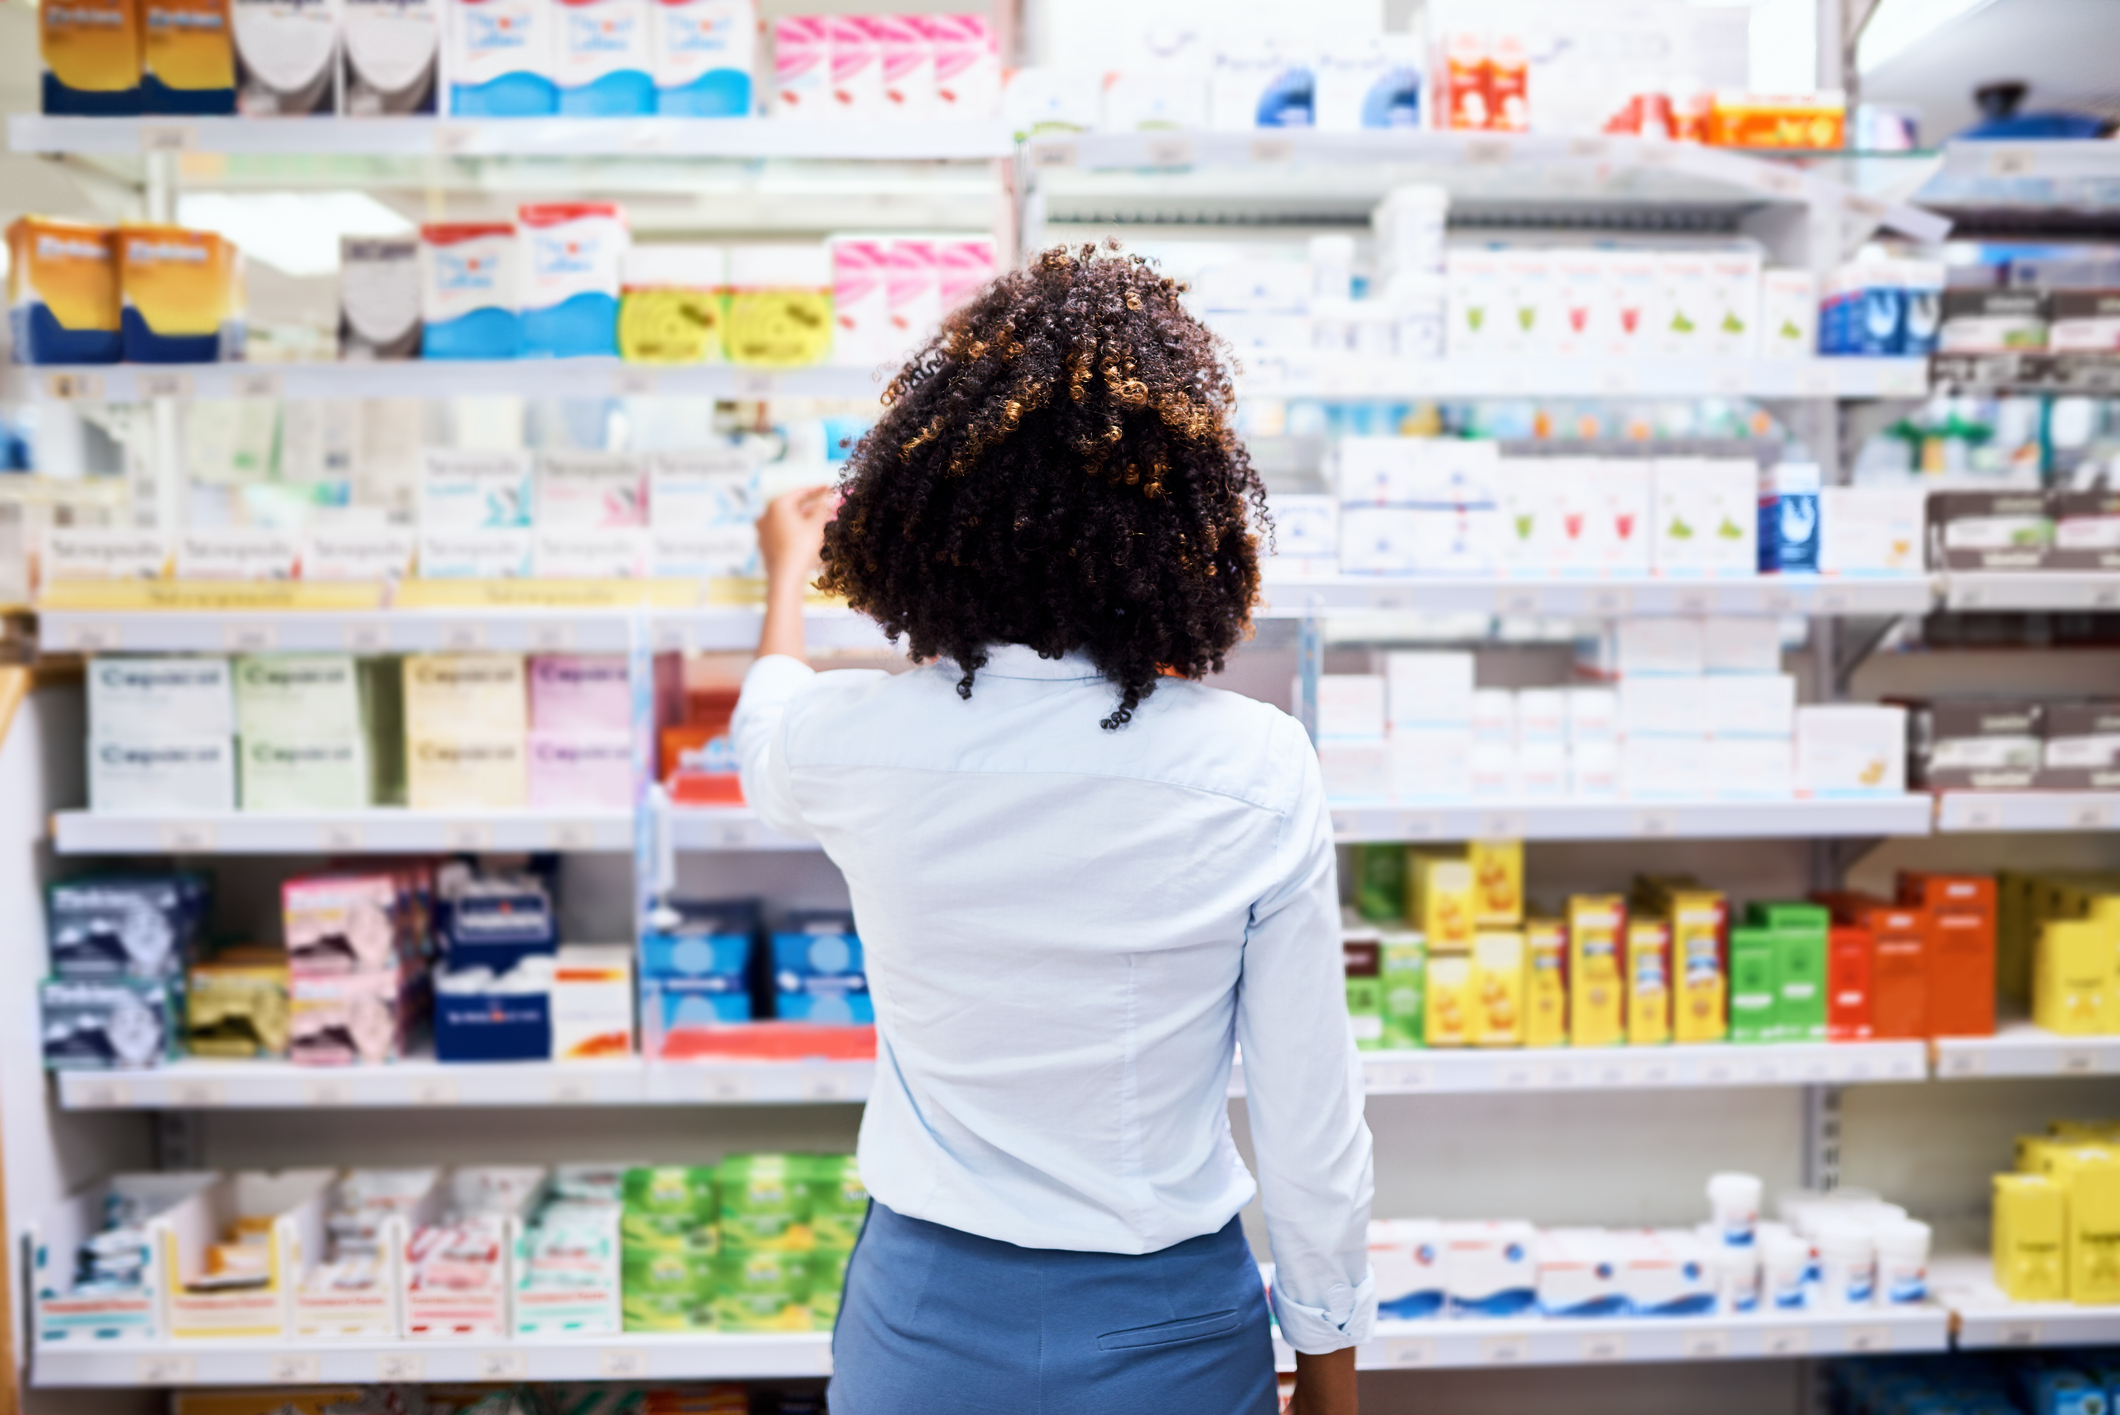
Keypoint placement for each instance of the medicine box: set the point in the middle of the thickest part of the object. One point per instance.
(1867, 530)
(700, 55)
(1490, 1268)
(601, 60)
(588, 555)
(100, 926)
(470, 278)
(291, 696)
(305, 773)
(101, 553)
(471, 490)
(1845, 749)
(579, 769)
(109, 1310)
(1596, 981)
(1350, 706)
(1497, 988)
(1429, 763)
(500, 56)
(817, 969)
(1429, 688)
(138, 698)
(104, 1024)
(89, 60)
(286, 57)
(236, 553)
(1360, 963)
(391, 56)
(1402, 964)
(371, 556)
(591, 491)
(1355, 772)
(1579, 1273)
(62, 276)
(1545, 983)
(236, 1004)
(1448, 1000)
(1648, 968)
(592, 1001)
(486, 1015)
(161, 774)
(464, 695)
(570, 253)
(477, 555)
(1441, 899)
(1407, 1258)
(363, 1017)
(466, 774)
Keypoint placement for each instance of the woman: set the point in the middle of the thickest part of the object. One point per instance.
(1079, 876)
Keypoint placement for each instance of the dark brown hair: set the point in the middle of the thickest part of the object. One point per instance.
(1057, 468)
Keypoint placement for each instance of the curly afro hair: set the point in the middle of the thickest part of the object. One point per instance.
(1057, 468)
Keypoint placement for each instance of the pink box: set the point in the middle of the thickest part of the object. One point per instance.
(343, 1019)
(908, 60)
(802, 67)
(911, 294)
(572, 692)
(963, 266)
(341, 923)
(575, 770)
(857, 68)
(967, 64)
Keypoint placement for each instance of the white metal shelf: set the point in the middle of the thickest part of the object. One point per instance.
(1598, 597)
(620, 1356)
(1579, 1341)
(1689, 1066)
(516, 137)
(1270, 374)
(2022, 811)
(381, 831)
(2031, 589)
(718, 828)
(432, 378)
(1634, 820)
(194, 1084)
(1986, 1319)
(2021, 1049)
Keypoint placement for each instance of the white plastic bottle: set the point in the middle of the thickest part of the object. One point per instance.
(1784, 1259)
(1847, 1265)
(1733, 1200)
(1902, 1262)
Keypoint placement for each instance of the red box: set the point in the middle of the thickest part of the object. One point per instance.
(1850, 954)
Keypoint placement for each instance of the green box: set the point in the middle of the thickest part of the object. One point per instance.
(1402, 968)
(664, 1311)
(1365, 1012)
(1380, 883)
(1755, 984)
(683, 1191)
(1800, 972)
(828, 1277)
(765, 1201)
(761, 1289)
(838, 1200)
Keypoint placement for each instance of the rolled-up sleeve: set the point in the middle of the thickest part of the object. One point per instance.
(760, 731)
(1303, 1085)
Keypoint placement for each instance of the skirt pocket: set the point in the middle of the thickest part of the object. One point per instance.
(1171, 1333)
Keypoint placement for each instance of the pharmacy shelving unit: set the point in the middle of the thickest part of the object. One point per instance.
(2020, 1049)
(1987, 812)
(1982, 1318)
(2000, 591)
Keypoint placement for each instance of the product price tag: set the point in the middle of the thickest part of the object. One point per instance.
(365, 638)
(2077, 1062)
(1650, 824)
(645, 137)
(1410, 1353)
(572, 835)
(1505, 1350)
(1515, 1075)
(191, 1093)
(293, 1368)
(1975, 815)
(1589, 149)
(91, 636)
(341, 837)
(1704, 1345)
(2105, 596)
(737, 834)
(1866, 208)
(162, 383)
(723, 1085)
(1906, 380)
(1728, 380)
(1906, 1068)
(1813, 381)
(168, 137)
(1168, 152)
(1604, 1346)
(1858, 1068)
(620, 1363)
(1717, 1073)
(74, 387)
(1616, 378)
(451, 139)
(98, 1095)
(254, 383)
(1273, 149)
(551, 636)
(570, 1090)
(2020, 1334)
(1779, 180)
(822, 1085)
(1518, 601)
(1654, 154)
(460, 636)
(1609, 602)
(1608, 1074)
(436, 1090)
(1388, 599)
(250, 636)
(1389, 1077)
(1501, 825)
(2009, 162)
(187, 838)
(1784, 1341)
(467, 835)
(1691, 601)
(824, 1359)
(500, 1365)
(1558, 1074)
(1869, 1339)
(398, 1366)
(1777, 601)
(1766, 1069)
(1047, 155)
(1653, 1072)
(164, 1368)
(1419, 825)
(2089, 815)
(756, 383)
(325, 1093)
(1488, 152)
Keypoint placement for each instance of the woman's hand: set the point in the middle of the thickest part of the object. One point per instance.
(1325, 1385)
(791, 533)
(790, 539)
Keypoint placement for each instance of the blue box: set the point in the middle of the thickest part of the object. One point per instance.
(1788, 519)
(492, 1026)
(818, 971)
(671, 1004)
(496, 927)
(700, 938)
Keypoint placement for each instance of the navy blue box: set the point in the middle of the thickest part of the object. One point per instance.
(492, 1026)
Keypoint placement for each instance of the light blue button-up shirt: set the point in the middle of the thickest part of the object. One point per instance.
(1067, 930)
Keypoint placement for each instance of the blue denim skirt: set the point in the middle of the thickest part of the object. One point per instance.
(938, 1322)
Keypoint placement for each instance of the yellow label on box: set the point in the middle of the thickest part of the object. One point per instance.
(1439, 899)
(179, 281)
(1498, 988)
(1597, 991)
(208, 595)
(1648, 982)
(91, 46)
(1545, 983)
(466, 696)
(1497, 882)
(1450, 1000)
(1700, 1009)
(547, 594)
(2030, 1238)
(67, 267)
(779, 328)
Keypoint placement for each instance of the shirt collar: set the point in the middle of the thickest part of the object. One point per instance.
(1022, 661)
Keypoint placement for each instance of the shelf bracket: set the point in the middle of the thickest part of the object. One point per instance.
(1853, 645)
(1821, 1137)
(180, 1140)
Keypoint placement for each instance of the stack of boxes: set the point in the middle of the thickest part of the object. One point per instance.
(580, 744)
(2024, 530)
(2010, 744)
(317, 732)
(818, 974)
(668, 1245)
(85, 294)
(499, 939)
(161, 735)
(2057, 1216)
(1882, 309)
(1700, 702)
(889, 292)
(356, 963)
(119, 948)
(709, 966)
(1778, 985)
(466, 725)
(2059, 948)
(1931, 956)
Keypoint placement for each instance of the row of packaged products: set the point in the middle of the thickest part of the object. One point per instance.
(1840, 1250)
(561, 280)
(2057, 1215)
(2083, 1382)
(2027, 319)
(2014, 744)
(2025, 530)
(756, 1243)
(600, 1398)
(2057, 941)
(510, 59)
(1426, 506)
(1441, 950)
(372, 959)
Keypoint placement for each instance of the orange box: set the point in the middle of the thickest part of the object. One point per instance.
(1962, 949)
(1808, 122)
(1850, 960)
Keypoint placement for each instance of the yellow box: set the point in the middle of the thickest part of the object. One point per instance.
(188, 49)
(2094, 1231)
(1498, 988)
(62, 288)
(457, 696)
(466, 773)
(1545, 983)
(2031, 1238)
(1497, 882)
(91, 54)
(1439, 899)
(1700, 998)
(182, 289)
(2072, 976)
(1648, 982)
(1450, 999)
(1597, 991)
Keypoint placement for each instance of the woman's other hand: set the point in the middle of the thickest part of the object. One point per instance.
(791, 533)
(1325, 1385)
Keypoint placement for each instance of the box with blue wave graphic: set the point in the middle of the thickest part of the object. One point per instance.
(571, 255)
(818, 973)
(695, 964)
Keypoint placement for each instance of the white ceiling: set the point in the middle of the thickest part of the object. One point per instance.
(2068, 51)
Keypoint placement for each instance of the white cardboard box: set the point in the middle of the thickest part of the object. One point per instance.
(1429, 688)
(1850, 750)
